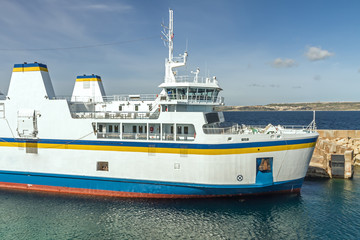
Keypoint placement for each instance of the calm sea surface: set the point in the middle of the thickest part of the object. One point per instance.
(326, 209)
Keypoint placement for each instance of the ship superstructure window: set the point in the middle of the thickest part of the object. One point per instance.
(146, 131)
(203, 94)
(185, 132)
(186, 129)
(181, 93)
(177, 93)
(136, 107)
(171, 92)
(212, 117)
(120, 108)
(154, 131)
(168, 132)
(100, 128)
(108, 130)
(129, 131)
(134, 131)
(142, 134)
(102, 166)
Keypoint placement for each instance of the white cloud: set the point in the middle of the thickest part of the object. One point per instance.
(316, 53)
(283, 63)
(109, 8)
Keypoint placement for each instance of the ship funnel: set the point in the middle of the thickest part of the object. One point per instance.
(30, 81)
(88, 88)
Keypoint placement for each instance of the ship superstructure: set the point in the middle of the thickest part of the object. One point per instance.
(168, 145)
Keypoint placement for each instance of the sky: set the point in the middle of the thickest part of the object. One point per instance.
(261, 51)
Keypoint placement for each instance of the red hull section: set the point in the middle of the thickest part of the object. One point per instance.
(93, 192)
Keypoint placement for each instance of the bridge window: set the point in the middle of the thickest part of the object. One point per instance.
(171, 92)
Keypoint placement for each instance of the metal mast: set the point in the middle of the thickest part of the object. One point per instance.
(168, 35)
(168, 38)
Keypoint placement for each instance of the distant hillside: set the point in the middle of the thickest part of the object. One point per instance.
(318, 106)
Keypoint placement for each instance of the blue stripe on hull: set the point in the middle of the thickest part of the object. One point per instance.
(143, 186)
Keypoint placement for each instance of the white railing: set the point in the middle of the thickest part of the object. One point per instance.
(141, 136)
(140, 97)
(236, 129)
(108, 135)
(113, 115)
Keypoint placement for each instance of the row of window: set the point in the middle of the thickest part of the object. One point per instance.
(193, 93)
(184, 132)
(136, 108)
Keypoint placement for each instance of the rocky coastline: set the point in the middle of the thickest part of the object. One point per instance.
(331, 146)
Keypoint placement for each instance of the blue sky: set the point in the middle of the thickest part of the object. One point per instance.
(261, 51)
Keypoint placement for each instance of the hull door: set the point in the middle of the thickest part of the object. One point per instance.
(264, 171)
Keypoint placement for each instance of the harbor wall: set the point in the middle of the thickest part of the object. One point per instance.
(336, 152)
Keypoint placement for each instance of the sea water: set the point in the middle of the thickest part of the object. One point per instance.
(325, 209)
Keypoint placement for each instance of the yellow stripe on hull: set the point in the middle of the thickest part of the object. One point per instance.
(167, 150)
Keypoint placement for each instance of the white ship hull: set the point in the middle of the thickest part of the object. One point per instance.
(140, 173)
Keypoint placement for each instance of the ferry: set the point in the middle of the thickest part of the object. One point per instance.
(167, 145)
